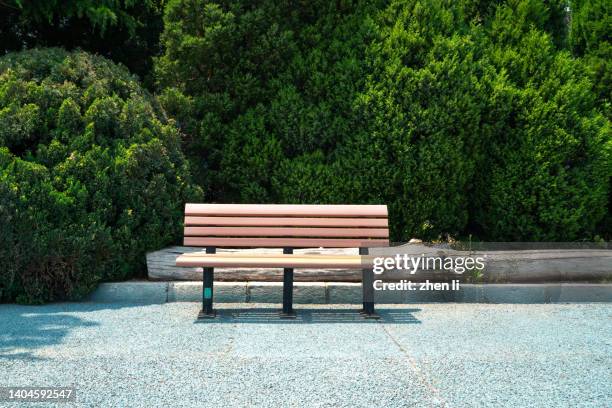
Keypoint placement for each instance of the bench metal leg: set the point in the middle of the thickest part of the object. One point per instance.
(367, 282)
(208, 278)
(288, 312)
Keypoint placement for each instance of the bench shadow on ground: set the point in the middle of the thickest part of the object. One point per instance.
(271, 316)
(25, 329)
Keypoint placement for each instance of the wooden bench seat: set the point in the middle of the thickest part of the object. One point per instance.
(272, 261)
(286, 226)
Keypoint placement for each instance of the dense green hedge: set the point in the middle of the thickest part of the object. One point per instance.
(91, 175)
(591, 38)
(126, 31)
(465, 117)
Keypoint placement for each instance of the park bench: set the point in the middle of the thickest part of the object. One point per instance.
(287, 226)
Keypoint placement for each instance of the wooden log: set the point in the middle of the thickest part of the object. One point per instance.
(516, 266)
(511, 266)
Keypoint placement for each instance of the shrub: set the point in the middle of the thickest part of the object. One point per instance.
(590, 38)
(469, 128)
(590, 32)
(262, 82)
(549, 160)
(91, 175)
(421, 109)
(464, 117)
(123, 30)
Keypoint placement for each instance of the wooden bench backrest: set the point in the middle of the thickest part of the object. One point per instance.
(286, 225)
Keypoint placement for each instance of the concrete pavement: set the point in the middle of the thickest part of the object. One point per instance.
(436, 355)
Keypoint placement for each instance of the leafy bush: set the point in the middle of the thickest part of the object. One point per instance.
(548, 167)
(499, 133)
(465, 117)
(421, 112)
(254, 84)
(126, 31)
(591, 38)
(91, 175)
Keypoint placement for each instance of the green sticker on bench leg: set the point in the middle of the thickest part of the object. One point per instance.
(207, 293)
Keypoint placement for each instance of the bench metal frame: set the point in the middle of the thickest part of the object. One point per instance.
(287, 312)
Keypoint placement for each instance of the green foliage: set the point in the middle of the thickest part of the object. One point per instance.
(253, 85)
(489, 118)
(465, 117)
(590, 38)
(91, 175)
(102, 14)
(125, 30)
(421, 113)
(216, 66)
(548, 171)
(591, 25)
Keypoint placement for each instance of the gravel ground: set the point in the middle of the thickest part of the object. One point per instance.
(434, 355)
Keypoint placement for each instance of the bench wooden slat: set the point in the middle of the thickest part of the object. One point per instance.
(285, 222)
(273, 261)
(286, 232)
(266, 255)
(284, 242)
(276, 210)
